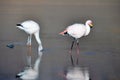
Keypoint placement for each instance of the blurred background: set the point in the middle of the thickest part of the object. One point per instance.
(99, 51)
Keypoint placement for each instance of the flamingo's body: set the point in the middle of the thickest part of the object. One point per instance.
(31, 28)
(77, 31)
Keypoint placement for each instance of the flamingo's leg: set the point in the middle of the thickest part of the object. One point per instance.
(29, 40)
(29, 51)
(71, 57)
(78, 52)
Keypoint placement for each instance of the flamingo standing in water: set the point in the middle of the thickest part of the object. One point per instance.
(31, 28)
(77, 31)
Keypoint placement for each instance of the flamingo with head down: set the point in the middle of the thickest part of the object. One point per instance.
(31, 28)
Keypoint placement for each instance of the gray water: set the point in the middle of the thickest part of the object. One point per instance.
(99, 51)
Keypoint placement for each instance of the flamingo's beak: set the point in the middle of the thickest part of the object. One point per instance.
(63, 32)
(91, 25)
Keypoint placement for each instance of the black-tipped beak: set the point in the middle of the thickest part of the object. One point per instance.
(91, 25)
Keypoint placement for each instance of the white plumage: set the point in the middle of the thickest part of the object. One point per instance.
(77, 31)
(31, 28)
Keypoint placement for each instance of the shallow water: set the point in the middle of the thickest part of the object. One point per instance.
(99, 51)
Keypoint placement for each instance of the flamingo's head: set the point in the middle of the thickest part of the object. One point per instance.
(90, 23)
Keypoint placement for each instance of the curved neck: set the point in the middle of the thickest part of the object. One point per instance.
(38, 41)
(87, 29)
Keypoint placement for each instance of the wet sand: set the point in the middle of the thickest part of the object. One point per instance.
(99, 51)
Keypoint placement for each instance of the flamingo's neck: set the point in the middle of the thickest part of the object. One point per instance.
(87, 29)
(38, 41)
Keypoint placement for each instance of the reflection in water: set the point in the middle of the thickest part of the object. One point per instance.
(77, 73)
(31, 73)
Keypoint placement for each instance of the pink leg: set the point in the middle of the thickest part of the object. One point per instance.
(77, 45)
(71, 57)
(71, 47)
(78, 51)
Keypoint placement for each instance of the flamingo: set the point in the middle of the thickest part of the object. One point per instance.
(31, 73)
(31, 28)
(77, 31)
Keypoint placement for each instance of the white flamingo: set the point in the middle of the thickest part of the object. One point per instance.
(77, 31)
(31, 73)
(31, 28)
